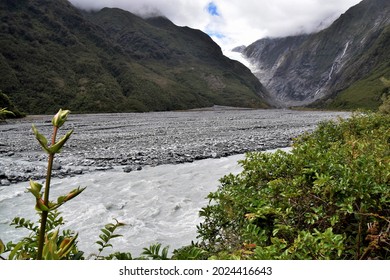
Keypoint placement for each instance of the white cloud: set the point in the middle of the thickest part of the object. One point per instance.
(236, 22)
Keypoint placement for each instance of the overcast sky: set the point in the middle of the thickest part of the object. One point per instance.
(236, 22)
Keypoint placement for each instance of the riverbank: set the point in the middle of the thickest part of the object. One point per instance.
(133, 141)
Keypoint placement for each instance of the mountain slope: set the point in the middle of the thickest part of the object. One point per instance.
(53, 55)
(338, 61)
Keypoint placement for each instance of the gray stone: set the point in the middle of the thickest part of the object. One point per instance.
(5, 182)
(56, 166)
(127, 169)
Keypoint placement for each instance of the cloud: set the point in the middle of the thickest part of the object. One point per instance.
(236, 22)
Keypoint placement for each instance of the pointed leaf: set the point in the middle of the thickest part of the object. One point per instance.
(35, 189)
(40, 206)
(103, 237)
(110, 227)
(61, 199)
(58, 145)
(72, 194)
(106, 232)
(2, 247)
(15, 250)
(41, 139)
(66, 246)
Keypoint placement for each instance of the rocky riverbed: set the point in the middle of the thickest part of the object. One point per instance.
(133, 140)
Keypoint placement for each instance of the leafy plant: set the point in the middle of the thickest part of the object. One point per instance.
(153, 252)
(106, 236)
(191, 252)
(43, 205)
(45, 241)
(4, 112)
(57, 246)
(312, 203)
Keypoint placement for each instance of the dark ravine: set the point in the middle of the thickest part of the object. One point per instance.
(131, 141)
(351, 54)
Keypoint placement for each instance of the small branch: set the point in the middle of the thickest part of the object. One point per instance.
(374, 215)
(359, 240)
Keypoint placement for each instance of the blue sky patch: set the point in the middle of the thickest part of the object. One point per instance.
(216, 35)
(212, 9)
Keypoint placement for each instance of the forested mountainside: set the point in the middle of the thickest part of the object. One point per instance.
(53, 55)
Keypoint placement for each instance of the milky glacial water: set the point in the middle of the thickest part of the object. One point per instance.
(157, 204)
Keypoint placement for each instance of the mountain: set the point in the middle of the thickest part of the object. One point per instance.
(338, 67)
(53, 55)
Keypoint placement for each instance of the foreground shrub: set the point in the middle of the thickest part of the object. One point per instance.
(329, 198)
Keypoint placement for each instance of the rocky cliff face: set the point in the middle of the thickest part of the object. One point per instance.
(299, 70)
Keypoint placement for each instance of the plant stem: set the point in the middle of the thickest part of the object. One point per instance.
(359, 240)
(46, 198)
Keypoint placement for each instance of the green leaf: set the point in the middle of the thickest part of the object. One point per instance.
(40, 206)
(61, 199)
(66, 246)
(106, 232)
(2, 247)
(41, 139)
(4, 111)
(104, 237)
(15, 250)
(35, 189)
(110, 227)
(64, 198)
(60, 143)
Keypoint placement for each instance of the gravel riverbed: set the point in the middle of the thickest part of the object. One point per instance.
(133, 140)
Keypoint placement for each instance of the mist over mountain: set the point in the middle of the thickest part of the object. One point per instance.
(54, 55)
(338, 67)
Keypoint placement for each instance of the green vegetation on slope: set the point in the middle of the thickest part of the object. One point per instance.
(53, 55)
(327, 199)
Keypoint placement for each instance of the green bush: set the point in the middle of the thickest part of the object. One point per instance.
(385, 107)
(326, 199)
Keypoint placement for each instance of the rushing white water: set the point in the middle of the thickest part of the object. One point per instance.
(157, 204)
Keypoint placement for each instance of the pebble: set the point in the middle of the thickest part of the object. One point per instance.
(127, 169)
(56, 166)
(5, 182)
